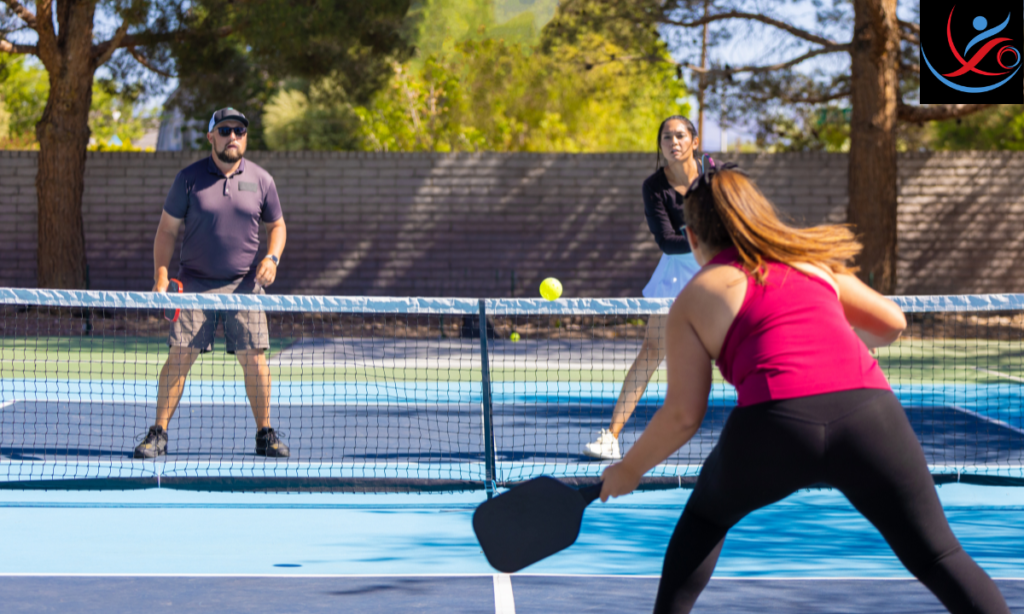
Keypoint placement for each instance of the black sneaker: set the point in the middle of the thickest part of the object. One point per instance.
(154, 445)
(270, 445)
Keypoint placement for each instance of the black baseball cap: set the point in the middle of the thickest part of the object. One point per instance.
(225, 114)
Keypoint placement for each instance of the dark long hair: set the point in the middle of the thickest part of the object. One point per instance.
(698, 155)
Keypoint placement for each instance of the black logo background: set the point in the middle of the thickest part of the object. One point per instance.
(934, 16)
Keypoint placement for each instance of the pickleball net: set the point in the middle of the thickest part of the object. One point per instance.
(414, 394)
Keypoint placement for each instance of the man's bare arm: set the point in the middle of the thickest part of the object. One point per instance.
(163, 249)
(277, 235)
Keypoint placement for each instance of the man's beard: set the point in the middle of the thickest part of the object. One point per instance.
(230, 155)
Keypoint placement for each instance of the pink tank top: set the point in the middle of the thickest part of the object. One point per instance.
(791, 339)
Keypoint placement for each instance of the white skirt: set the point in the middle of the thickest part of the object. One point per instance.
(672, 274)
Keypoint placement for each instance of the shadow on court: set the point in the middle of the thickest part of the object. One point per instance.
(457, 595)
(527, 429)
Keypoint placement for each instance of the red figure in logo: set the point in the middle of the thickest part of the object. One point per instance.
(969, 65)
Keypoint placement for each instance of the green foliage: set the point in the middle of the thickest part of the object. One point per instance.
(541, 11)
(998, 128)
(24, 89)
(498, 87)
(108, 145)
(293, 123)
(805, 128)
(439, 25)
(5, 121)
(603, 30)
(235, 81)
(116, 111)
(340, 46)
(496, 96)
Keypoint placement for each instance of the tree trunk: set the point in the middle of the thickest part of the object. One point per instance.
(63, 134)
(872, 173)
(63, 137)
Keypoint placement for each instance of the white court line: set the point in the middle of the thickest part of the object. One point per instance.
(504, 601)
(1000, 374)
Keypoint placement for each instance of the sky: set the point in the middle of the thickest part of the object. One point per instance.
(757, 44)
(764, 44)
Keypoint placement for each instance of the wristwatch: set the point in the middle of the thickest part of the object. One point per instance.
(272, 257)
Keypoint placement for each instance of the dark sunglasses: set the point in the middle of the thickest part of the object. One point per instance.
(227, 130)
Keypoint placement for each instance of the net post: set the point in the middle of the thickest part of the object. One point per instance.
(485, 405)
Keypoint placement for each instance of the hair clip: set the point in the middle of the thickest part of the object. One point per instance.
(704, 179)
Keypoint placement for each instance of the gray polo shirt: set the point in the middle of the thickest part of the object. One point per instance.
(222, 219)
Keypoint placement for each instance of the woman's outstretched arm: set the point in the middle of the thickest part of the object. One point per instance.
(686, 401)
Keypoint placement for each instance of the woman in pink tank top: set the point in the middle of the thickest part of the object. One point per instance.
(788, 324)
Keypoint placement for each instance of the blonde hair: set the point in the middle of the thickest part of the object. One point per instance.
(735, 213)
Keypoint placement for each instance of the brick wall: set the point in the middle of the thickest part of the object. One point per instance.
(961, 222)
(496, 224)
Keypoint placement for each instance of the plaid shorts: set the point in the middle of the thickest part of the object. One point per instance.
(243, 330)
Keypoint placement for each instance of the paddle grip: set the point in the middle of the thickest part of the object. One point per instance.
(592, 492)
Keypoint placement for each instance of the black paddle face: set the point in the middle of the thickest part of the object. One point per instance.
(530, 522)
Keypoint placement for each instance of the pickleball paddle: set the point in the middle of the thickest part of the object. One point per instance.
(174, 286)
(531, 522)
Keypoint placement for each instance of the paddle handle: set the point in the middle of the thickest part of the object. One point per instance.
(592, 492)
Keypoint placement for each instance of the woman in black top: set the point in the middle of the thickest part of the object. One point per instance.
(679, 163)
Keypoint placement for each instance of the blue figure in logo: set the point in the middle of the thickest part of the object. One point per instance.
(979, 23)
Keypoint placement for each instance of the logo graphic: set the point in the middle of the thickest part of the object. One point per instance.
(985, 68)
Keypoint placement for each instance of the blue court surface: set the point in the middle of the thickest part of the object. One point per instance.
(162, 550)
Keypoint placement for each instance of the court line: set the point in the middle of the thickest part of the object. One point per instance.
(1000, 374)
(504, 600)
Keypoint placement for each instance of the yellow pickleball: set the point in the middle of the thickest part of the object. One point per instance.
(514, 337)
(551, 288)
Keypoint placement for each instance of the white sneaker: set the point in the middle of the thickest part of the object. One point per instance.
(605, 448)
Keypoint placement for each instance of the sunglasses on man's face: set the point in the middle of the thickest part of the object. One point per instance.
(227, 130)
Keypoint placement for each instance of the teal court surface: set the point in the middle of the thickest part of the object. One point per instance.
(161, 550)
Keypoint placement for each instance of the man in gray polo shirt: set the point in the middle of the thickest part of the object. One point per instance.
(220, 201)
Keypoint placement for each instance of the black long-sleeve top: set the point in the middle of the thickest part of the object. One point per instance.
(663, 207)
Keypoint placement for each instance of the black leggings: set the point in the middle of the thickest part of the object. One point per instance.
(858, 441)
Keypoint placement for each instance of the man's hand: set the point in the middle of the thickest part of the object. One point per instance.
(266, 273)
(161, 283)
(618, 480)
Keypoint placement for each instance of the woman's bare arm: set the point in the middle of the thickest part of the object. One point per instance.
(689, 377)
(877, 320)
